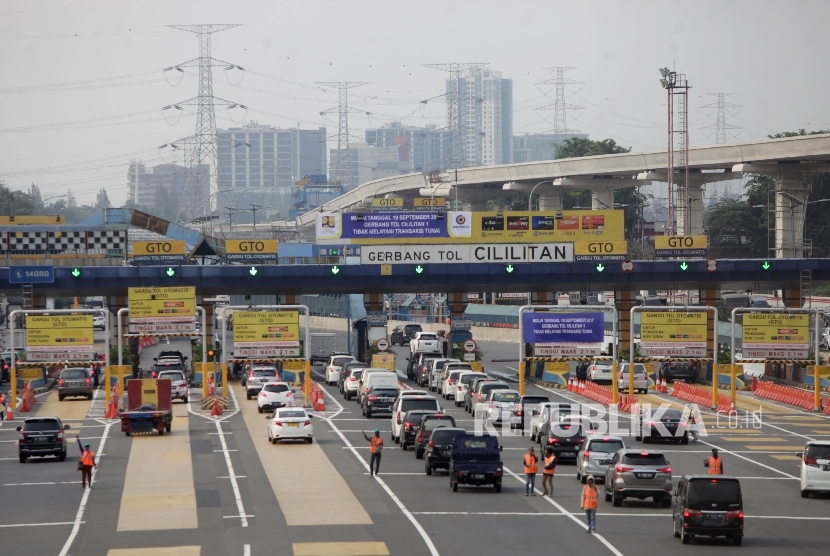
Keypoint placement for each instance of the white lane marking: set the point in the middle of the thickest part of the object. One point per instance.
(578, 521)
(39, 524)
(432, 550)
(236, 494)
(36, 484)
(246, 550)
(225, 450)
(236, 516)
(237, 476)
(82, 507)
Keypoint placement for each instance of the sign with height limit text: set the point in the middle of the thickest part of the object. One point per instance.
(564, 334)
(673, 333)
(59, 335)
(156, 305)
(776, 335)
(266, 329)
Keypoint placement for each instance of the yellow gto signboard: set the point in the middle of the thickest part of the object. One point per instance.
(251, 249)
(776, 335)
(391, 203)
(600, 250)
(168, 250)
(421, 203)
(266, 329)
(681, 246)
(172, 304)
(59, 333)
(673, 333)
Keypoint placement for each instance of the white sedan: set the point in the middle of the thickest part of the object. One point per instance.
(290, 424)
(275, 395)
(334, 368)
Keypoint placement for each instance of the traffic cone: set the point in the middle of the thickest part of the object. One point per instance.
(217, 409)
(570, 384)
(9, 413)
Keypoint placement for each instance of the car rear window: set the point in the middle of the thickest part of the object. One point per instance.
(74, 373)
(168, 367)
(41, 425)
(439, 420)
(413, 328)
(487, 387)
(467, 379)
(172, 376)
(292, 413)
(644, 459)
(817, 452)
(410, 404)
(673, 414)
(606, 446)
(358, 373)
(265, 372)
(475, 444)
(529, 400)
(506, 397)
(453, 375)
(277, 388)
(444, 435)
(706, 494)
(340, 361)
(385, 391)
(415, 418)
(568, 430)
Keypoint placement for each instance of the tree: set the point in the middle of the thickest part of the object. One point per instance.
(102, 201)
(34, 194)
(15, 202)
(577, 147)
(70, 199)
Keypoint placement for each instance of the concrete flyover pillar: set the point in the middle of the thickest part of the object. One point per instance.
(602, 200)
(550, 198)
(543, 298)
(695, 210)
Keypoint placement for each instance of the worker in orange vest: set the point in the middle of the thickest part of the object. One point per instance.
(531, 468)
(589, 504)
(375, 449)
(714, 463)
(86, 464)
(548, 470)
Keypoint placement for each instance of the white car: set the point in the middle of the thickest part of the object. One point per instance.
(350, 385)
(274, 396)
(336, 363)
(425, 342)
(502, 403)
(600, 370)
(448, 384)
(815, 467)
(99, 322)
(408, 403)
(463, 384)
(435, 372)
(640, 378)
(290, 423)
(178, 384)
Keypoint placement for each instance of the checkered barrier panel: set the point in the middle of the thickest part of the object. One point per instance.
(105, 241)
(67, 242)
(4, 242)
(28, 242)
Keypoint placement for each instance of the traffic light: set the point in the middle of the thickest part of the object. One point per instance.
(420, 269)
(509, 269)
(600, 267)
(170, 272)
(766, 265)
(253, 271)
(335, 270)
(210, 354)
(335, 252)
(76, 272)
(684, 266)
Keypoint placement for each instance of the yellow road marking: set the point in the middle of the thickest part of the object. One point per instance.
(159, 551)
(755, 439)
(776, 448)
(340, 549)
(784, 456)
(69, 408)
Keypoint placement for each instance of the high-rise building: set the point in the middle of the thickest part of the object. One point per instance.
(370, 163)
(259, 163)
(167, 180)
(485, 106)
(531, 147)
(424, 149)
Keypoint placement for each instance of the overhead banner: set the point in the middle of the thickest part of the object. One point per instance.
(563, 329)
(465, 254)
(598, 251)
(470, 227)
(266, 329)
(681, 246)
(778, 336)
(152, 305)
(163, 251)
(59, 335)
(251, 249)
(673, 333)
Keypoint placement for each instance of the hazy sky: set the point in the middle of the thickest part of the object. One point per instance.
(97, 66)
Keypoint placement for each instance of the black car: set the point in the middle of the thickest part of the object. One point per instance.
(5, 372)
(428, 424)
(439, 448)
(522, 413)
(415, 362)
(662, 424)
(678, 370)
(471, 389)
(708, 506)
(42, 436)
(158, 367)
(565, 438)
(379, 399)
(403, 333)
(409, 426)
(344, 373)
(423, 369)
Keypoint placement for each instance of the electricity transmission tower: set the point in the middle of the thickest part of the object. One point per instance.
(560, 106)
(342, 166)
(201, 158)
(720, 126)
(457, 158)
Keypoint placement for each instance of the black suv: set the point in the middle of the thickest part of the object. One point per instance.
(678, 370)
(409, 426)
(522, 413)
(439, 449)
(379, 399)
(42, 436)
(403, 333)
(428, 424)
(566, 438)
(422, 367)
(710, 506)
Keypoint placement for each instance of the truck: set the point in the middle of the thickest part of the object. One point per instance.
(476, 460)
(322, 346)
(149, 407)
(425, 342)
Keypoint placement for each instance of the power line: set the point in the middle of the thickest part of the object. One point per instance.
(343, 161)
(720, 126)
(560, 105)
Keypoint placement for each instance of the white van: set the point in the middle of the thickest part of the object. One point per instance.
(370, 379)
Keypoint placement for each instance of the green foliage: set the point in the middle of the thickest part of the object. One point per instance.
(579, 146)
(126, 355)
(15, 202)
(197, 353)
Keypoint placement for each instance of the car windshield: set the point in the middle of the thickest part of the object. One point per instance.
(41, 425)
(409, 404)
(265, 372)
(644, 459)
(73, 373)
(277, 388)
(714, 494)
(340, 361)
(818, 452)
(177, 375)
(444, 435)
(510, 397)
(289, 413)
(606, 446)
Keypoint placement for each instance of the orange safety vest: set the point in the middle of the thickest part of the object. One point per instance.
(530, 465)
(548, 461)
(715, 466)
(589, 493)
(374, 443)
(88, 458)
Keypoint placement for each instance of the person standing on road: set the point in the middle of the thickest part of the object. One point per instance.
(2, 406)
(548, 470)
(693, 421)
(531, 468)
(86, 464)
(714, 463)
(375, 449)
(590, 496)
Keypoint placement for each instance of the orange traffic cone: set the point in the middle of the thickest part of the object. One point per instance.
(570, 384)
(217, 409)
(9, 413)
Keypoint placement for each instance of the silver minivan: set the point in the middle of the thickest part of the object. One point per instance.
(596, 456)
(638, 474)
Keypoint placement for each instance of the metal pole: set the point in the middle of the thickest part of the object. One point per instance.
(530, 197)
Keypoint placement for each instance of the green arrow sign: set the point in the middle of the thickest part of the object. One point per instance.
(419, 269)
(683, 266)
(76, 272)
(766, 265)
(335, 269)
(600, 267)
(171, 272)
(509, 268)
(253, 271)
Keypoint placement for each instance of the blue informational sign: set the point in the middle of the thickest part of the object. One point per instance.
(31, 275)
(570, 328)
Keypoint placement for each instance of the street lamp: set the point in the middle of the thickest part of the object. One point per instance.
(530, 197)
(381, 187)
(237, 200)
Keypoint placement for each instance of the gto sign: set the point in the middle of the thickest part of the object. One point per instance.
(251, 249)
(158, 251)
